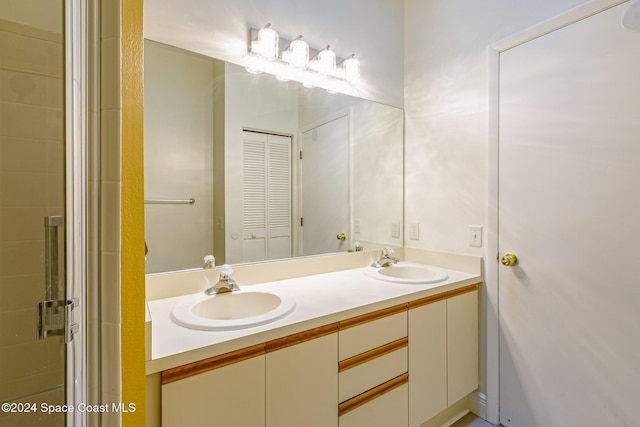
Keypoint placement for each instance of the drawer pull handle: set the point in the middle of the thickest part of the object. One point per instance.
(366, 397)
(361, 358)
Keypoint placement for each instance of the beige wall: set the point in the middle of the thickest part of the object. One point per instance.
(179, 115)
(446, 107)
(446, 124)
(370, 29)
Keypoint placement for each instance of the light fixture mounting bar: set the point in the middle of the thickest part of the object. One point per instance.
(283, 44)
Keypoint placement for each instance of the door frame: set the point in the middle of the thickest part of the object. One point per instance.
(297, 174)
(492, 403)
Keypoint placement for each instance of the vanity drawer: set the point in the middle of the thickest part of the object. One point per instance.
(361, 334)
(366, 371)
(388, 408)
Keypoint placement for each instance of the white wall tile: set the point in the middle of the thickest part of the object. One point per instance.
(110, 151)
(110, 216)
(110, 285)
(110, 74)
(111, 380)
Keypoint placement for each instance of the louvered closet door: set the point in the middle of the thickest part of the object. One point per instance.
(266, 196)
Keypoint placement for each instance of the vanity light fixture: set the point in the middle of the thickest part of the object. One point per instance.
(351, 68)
(326, 61)
(297, 55)
(267, 43)
(290, 60)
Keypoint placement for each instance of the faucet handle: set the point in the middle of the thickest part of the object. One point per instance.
(209, 261)
(387, 251)
(226, 270)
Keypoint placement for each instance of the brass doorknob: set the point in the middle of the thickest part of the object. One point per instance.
(341, 236)
(509, 260)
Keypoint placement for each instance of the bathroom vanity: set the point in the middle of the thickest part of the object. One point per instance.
(356, 351)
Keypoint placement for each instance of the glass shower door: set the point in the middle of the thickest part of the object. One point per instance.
(32, 212)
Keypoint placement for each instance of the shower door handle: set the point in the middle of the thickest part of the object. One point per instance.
(51, 226)
(54, 314)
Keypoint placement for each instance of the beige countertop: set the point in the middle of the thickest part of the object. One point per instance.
(321, 299)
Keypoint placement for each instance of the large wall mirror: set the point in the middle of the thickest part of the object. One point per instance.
(249, 168)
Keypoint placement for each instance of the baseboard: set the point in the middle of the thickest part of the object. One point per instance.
(478, 404)
(455, 418)
(450, 415)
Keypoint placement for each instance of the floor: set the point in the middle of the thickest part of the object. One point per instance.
(470, 420)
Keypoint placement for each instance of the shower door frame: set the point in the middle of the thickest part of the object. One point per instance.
(80, 60)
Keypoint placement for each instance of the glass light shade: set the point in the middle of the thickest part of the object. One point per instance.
(299, 54)
(352, 69)
(314, 65)
(268, 43)
(287, 56)
(327, 60)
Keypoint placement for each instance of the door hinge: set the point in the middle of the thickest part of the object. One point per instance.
(301, 222)
(300, 154)
(54, 318)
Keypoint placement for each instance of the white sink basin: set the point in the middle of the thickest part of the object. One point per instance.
(408, 273)
(231, 310)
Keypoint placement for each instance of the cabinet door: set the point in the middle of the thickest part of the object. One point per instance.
(462, 345)
(427, 361)
(302, 384)
(230, 396)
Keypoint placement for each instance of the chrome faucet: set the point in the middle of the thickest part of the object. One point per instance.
(225, 283)
(386, 259)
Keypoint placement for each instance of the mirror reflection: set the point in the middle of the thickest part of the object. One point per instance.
(249, 168)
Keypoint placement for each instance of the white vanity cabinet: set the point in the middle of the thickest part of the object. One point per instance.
(427, 361)
(373, 369)
(290, 381)
(302, 380)
(223, 391)
(462, 346)
(443, 352)
(399, 366)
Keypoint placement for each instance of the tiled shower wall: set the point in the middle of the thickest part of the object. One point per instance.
(110, 181)
(31, 187)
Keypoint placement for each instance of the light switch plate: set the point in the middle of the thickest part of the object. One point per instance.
(414, 231)
(395, 229)
(475, 236)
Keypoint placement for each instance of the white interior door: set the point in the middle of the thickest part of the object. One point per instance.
(569, 208)
(325, 187)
